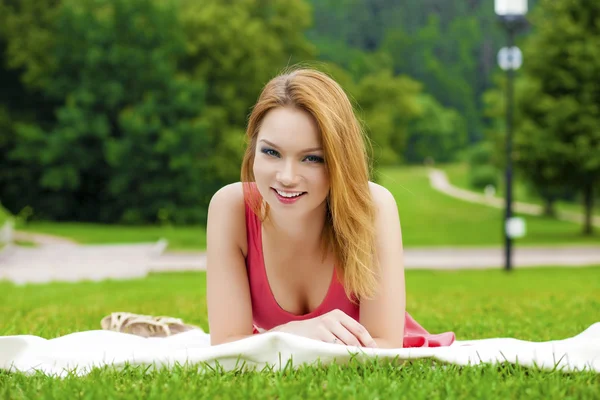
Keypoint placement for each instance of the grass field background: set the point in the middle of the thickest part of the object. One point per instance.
(531, 304)
(431, 218)
(428, 217)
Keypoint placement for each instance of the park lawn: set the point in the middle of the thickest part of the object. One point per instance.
(180, 238)
(458, 175)
(432, 218)
(428, 217)
(474, 304)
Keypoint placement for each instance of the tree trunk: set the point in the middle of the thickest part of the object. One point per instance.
(588, 200)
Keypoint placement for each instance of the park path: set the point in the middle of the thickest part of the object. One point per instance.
(60, 259)
(439, 181)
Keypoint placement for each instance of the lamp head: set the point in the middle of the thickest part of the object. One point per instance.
(511, 7)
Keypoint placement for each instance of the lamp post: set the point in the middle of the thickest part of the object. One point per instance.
(512, 17)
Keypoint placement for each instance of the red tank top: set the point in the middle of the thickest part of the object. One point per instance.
(267, 313)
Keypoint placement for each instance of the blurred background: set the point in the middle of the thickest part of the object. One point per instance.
(119, 119)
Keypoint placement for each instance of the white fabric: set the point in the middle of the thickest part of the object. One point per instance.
(78, 352)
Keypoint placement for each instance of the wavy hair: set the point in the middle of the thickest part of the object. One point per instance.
(350, 225)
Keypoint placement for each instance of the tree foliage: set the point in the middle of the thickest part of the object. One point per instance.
(146, 102)
(557, 140)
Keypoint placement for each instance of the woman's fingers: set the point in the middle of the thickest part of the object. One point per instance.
(343, 335)
(358, 331)
(347, 330)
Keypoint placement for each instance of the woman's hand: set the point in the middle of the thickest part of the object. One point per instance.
(333, 327)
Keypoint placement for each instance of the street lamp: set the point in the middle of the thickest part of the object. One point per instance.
(512, 17)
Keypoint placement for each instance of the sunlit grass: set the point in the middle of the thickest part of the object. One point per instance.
(180, 238)
(432, 218)
(532, 304)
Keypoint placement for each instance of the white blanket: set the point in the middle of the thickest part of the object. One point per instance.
(79, 352)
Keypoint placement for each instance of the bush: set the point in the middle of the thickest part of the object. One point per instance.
(482, 176)
(480, 154)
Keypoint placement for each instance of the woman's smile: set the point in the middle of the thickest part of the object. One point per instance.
(288, 197)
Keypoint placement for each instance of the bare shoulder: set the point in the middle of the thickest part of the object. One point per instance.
(383, 198)
(232, 195)
(227, 212)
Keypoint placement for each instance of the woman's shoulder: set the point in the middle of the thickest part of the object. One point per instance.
(231, 195)
(226, 211)
(381, 195)
(236, 196)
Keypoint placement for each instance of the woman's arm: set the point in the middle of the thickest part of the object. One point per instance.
(228, 293)
(384, 315)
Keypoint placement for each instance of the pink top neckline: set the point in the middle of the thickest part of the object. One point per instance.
(291, 315)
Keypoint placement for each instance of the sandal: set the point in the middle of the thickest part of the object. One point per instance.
(144, 325)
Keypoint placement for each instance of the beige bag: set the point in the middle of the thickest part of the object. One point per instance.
(144, 325)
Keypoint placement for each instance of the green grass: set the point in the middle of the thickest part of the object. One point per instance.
(180, 238)
(473, 304)
(458, 174)
(431, 218)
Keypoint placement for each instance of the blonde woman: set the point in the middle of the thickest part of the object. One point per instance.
(305, 244)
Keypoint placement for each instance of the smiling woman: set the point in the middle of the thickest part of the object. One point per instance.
(305, 244)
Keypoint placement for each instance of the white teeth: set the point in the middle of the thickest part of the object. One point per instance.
(288, 194)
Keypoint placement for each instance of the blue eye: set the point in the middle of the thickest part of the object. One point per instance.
(270, 152)
(314, 159)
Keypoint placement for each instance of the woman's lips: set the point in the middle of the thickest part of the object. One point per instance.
(287, 200)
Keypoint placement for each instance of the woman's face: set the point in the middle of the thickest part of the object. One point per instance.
(289, 167)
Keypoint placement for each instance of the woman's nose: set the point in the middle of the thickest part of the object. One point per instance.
(287, 174)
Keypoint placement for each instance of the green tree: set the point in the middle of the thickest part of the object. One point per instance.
(25, 36)
(387, 105)
(557, 140)
(563, 65)
(438, 133)
(148, 100)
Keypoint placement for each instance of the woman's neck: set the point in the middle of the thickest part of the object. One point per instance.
(302, 233)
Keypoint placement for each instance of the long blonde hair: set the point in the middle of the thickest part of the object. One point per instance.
(350, 225)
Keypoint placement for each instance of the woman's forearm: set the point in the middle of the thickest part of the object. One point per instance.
(388, 344)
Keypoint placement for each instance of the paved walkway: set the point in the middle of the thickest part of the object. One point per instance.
(60, 259)
(439, 181)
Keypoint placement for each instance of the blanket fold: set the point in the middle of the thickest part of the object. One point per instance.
(80, 352)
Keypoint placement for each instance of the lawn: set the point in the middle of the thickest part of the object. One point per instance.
(473, 304)
(458, 174)
(181, 238)
(429, 218)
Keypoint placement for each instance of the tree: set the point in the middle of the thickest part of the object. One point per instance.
(561, 109)
(387, 105)
(438, 133)
(149, 101)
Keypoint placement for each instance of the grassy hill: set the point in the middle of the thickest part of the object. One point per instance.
(431, 218)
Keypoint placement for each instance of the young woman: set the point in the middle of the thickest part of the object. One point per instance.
(305, 244)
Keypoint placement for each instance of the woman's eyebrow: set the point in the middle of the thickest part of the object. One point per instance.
(303, 151)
